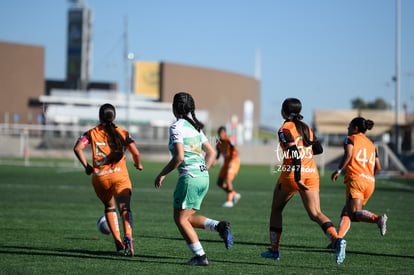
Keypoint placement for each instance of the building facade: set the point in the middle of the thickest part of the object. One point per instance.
(21, 78)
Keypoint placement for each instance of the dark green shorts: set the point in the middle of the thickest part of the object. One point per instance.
(190, 192)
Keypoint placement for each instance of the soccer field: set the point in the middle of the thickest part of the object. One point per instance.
(48, 226)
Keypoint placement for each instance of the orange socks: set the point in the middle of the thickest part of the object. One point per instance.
(112, 219)
(230, 195)
(330, 231)
(344, 225)
(366, 216)
(127, 221)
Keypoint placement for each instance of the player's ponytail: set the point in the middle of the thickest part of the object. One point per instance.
(117, 143)
(183, 104)
(198, 124)
(291, 108)
(362, 124)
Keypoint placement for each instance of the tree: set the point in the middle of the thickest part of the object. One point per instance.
(377, 104)
(358, 103)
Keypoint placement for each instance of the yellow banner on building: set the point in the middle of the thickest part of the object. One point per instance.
(147, 79)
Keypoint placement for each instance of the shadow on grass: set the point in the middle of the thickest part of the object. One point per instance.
(348, 252)
(104, 255)
(169, 260)
(82, 253)
(301, 248)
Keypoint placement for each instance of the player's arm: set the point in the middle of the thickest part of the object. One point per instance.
(289, 144)
(235, 150)
(297, 166)
(346, 158)
(178, 157)
(78, 150)
(377, 167)
(136, 156)
(209, 157)
(218, 149)
(317, 148)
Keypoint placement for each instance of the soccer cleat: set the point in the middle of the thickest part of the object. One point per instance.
(340, 247)
(228, 204)
(198, 261)
(270, 254)
(382, 224)
(129, 248)
(236, 198)
(224, 230)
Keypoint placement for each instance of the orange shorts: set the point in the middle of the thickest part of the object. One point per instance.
(230, 169)
(109, 186)
(289, 186)
(358, 189)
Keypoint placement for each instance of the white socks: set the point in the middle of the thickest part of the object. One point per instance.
(210, 224)
(196, 248)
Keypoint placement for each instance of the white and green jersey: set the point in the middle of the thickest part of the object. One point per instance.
(183, 132)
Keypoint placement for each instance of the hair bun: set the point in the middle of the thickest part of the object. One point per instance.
(369, 123)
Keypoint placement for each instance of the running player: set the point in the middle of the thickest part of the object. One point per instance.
(361, 162)
(187, 143)
(299, 173)
(110, 177)
(230, 167)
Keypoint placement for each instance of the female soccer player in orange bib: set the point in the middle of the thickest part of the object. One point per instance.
(299, 173)
(110, 177)
(230, 167)
(361, 162)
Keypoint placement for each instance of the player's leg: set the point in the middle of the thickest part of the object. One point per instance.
(221, 183)
(230, 193)
(280, 199)
(224, 184)
(182, 218)
(311, 202)
(112, 219)
(123, 190)
(124, 207)
(104, 192)
(361, 192)
(345, 221)
(222, 227)
(233, 169)
(188, 196)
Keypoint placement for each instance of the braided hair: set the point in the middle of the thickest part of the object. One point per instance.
(291, 108)
(183, 104)
(362, 124)
(117, 143)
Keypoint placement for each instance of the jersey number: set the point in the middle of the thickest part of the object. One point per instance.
(361, 156)
(100, 153)
(304, 152)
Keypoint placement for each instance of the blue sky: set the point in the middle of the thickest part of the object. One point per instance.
(325, 52)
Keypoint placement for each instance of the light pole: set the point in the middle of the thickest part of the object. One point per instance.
(397, 77)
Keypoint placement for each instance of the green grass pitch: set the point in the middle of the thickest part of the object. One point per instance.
(48, 226)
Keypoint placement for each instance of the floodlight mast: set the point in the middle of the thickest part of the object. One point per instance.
(397, 76)
(77, 3)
